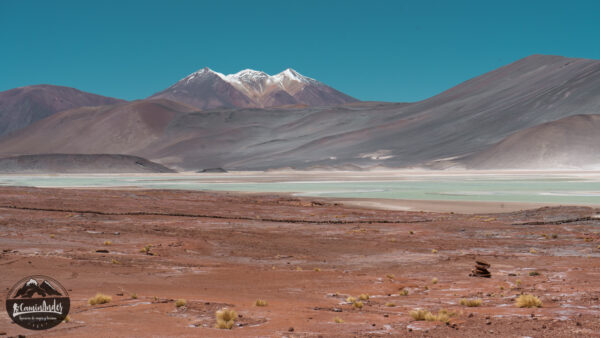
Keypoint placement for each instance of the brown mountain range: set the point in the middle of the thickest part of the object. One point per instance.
(22, 106)
(463, 121)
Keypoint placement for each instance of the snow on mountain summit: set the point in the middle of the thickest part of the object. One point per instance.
(207, 88)
(253, 78)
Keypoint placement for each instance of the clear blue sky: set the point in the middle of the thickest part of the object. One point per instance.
(372, 50)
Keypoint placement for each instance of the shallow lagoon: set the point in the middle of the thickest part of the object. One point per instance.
(563, 188)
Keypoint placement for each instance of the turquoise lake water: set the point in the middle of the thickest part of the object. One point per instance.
(566, 190)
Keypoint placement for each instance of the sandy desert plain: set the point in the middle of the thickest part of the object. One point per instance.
(306, 255)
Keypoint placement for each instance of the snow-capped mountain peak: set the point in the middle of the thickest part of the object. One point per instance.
(207, 88)
(292, 75)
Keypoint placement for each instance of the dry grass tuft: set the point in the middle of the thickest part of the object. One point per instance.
(350, 299)
(67, 319)
(146, 249)
(107, 242)
(114, 261)
(317, 269)
(338, 320)
(99, 298)
(532, 250)
(390, 304)
(434, 251)
(419, 314)
(298, 268)
(180, 302)
(528, 301)
(534, 273)
(390, 276)
(434, 280)
(225, 319)
(52, 236)
(134, 296)
(363, 296)
(260, 302)
(404, 292)
(441, 316)
(358, 305)
(411, 232)
(474, 302)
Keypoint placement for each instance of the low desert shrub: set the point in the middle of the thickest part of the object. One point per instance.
(441, 316)
(99, 298)
(107, 242)
(338, 320)
(418, 314)
(180, 302)
(350, 299)
(225, 318)
(134, 296)
(434, 280)
(390, 304)
(473, 302)
(534, 273)
(358, 304)
(404, 292)
(260, 302)
(363, 296)
(146, 249)
(528, 301)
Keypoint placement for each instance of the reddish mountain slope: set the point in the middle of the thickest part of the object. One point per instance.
(23, 106)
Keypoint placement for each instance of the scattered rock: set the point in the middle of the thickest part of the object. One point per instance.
(102, 251)
(213, 170)
(120, 294)
(291, 329)
(481, 269)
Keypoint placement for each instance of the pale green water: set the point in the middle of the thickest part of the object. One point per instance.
(566, 190)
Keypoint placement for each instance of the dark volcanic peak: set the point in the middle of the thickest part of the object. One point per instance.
(206, 89)
(22, 106)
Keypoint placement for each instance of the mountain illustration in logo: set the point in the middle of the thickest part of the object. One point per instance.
(32, 287)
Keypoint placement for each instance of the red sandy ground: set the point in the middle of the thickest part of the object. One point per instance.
(226, 250)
